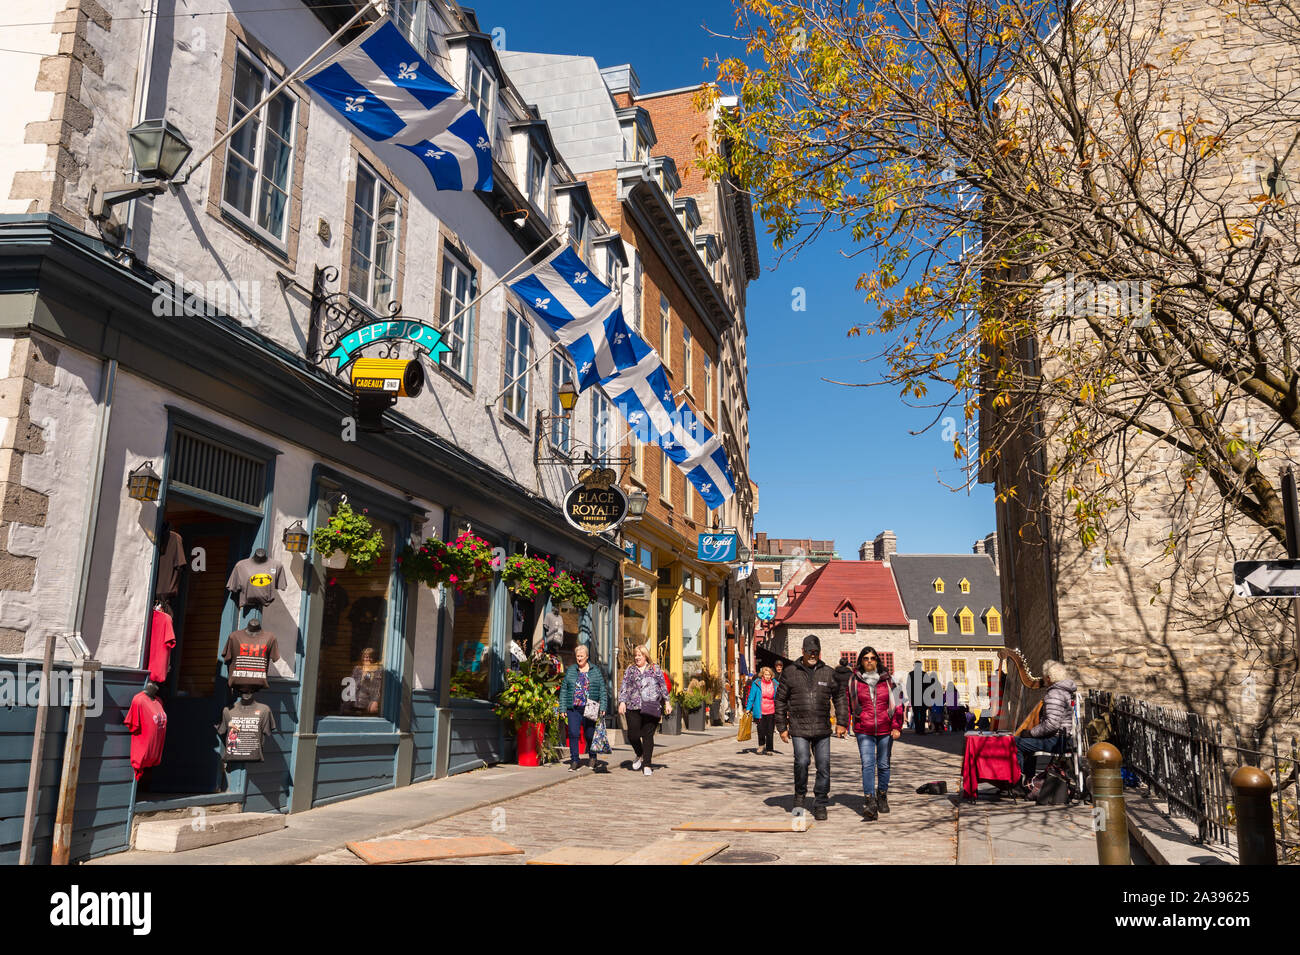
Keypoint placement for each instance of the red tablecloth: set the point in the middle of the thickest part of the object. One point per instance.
(988, 759)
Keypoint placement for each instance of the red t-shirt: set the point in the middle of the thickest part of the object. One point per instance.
(148, 725)
(162, 638)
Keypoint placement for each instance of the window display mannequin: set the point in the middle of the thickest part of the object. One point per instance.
(147, 721)
(244, 727)
(256, 579)
(249, 653)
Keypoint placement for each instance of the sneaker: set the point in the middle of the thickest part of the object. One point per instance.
(573, 767)
(592, 762)
(870, 808)
(882, 804)
(798, 802)
(819, 813)
(648, 771)
(637, 764)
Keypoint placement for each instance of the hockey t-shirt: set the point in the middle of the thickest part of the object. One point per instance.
(147, 722)
(244, 726)
(248, 653)
(162, 639)
(256, 581)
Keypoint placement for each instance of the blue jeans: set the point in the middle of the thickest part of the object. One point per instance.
(1026, 746)
(874, 751)
(579, 724)
(805, 750)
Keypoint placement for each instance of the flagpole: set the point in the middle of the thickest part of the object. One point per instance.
(508, 274)
(181, 180)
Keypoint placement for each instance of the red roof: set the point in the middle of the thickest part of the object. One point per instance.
(867, 584)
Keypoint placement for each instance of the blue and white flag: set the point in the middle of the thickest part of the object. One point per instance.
(704, 459)
(585, 315)
(381, 86)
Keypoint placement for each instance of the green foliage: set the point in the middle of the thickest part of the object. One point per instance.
(426, 564)
(531, 694)
(694, 699)
(573, 588)
(528, 577)
(351, 533)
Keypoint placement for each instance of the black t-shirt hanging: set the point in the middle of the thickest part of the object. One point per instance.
(244, 726)
(256, 581)
(248, 654)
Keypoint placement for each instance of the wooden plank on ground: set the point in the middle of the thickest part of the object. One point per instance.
(674, 852)
(391, 851)
(575, 855)
(779, 824)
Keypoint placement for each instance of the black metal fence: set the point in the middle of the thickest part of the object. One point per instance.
(1186, 762)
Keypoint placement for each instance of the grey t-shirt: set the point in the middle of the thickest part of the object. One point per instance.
(244, 726)
(256, 583)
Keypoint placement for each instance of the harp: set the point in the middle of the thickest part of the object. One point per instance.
(1029, 681)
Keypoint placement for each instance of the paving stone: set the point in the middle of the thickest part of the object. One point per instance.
(388, 851)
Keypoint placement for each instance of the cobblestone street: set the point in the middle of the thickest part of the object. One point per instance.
(620, 809)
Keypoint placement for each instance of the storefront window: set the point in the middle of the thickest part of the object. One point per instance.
(354, 634)
(636, 619)
(692, 631)
(471, 655)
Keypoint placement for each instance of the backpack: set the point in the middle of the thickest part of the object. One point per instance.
(1053, 786)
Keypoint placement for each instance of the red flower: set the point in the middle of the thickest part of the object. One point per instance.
(333, 581)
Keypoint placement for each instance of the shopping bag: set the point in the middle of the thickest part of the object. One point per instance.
(746, 725)
(600, 739)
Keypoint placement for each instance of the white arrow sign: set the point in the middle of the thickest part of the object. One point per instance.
(1266, 578)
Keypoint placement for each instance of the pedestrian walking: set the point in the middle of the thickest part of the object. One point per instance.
(876, 715)
(762, 706)
(843, 673)
(918, 686)
(804, 700)
(956, 712)
(642, 699)
(584, 697)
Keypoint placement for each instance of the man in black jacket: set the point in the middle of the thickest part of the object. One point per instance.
(804, 699)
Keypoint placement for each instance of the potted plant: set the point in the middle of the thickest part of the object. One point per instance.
(529, 704)
(576, 589)
(348, 536)
(469, 561)
(671, 724)
(426, 564)
(693, 706)
(528, 577)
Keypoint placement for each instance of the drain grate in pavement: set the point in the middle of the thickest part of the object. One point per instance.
(743, 857)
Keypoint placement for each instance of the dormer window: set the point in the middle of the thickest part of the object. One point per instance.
(848, 621)
(937, 583)
(939, 620)
(537, 179)
(421, 23)
(579, 231)
(993, 622)
(967, 620)
(480, 89)
(964, 584)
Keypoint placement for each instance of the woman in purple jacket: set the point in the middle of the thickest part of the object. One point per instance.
(642, 699)
(876, 715)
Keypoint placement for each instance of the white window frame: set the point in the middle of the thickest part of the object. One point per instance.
(515, 365)
(537, 176)
(665, 477)
(472, 91)
(686, 358)
(458, 331)
(382, 187)
(665, 330)
(638, 281)
(419, 28)
(251, 219)
(561, 435)
(602, 424)
(708, 384)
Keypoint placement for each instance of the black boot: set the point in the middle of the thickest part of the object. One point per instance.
(869, 809)
(882, 804)
(798, 802)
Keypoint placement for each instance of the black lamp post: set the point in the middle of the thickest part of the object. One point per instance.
(144, 483)
(296, 539)
(158, 150)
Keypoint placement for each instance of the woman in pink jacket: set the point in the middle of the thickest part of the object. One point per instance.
(876, 715)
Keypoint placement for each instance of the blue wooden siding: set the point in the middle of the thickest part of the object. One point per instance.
(476, 736)
(268, 781)
(351, 770)
(106, 781)
(424, 732)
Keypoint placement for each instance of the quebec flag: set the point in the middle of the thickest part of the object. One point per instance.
(585, 315)
(381, 86)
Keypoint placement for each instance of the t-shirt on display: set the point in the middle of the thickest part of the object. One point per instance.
(243, 727)
(147, 722)
(256, 581)
(248, 654)
(162, 639)
(168, 579)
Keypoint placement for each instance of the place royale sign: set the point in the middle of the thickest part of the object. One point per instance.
(595, 504)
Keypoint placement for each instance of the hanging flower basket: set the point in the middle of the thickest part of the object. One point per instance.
(576, 589)
(336, 561)
(528, 577)
(426, 564)
(469, 562)
(353, 535)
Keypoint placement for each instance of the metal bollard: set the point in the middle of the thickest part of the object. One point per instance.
(1253, 789)
(1108, 818)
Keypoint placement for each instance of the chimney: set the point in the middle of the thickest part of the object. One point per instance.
(979, 547)
(886, 545)
(621, 79)
(866, 551)
(991, 548)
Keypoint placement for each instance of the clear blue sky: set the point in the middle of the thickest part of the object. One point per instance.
(830, 461)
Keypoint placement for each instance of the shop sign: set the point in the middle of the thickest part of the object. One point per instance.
(595, 504)
(398, 330)
(766, 608)
(717, 548)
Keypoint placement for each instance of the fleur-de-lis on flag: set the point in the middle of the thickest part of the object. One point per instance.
(356, 104)
(541, 303)
(435, 153)
(668, 395)
(635, 417)
(483, 143)
(586, 367)
(406, 71)
(706, 487)
(581, 278)
(620, 338)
